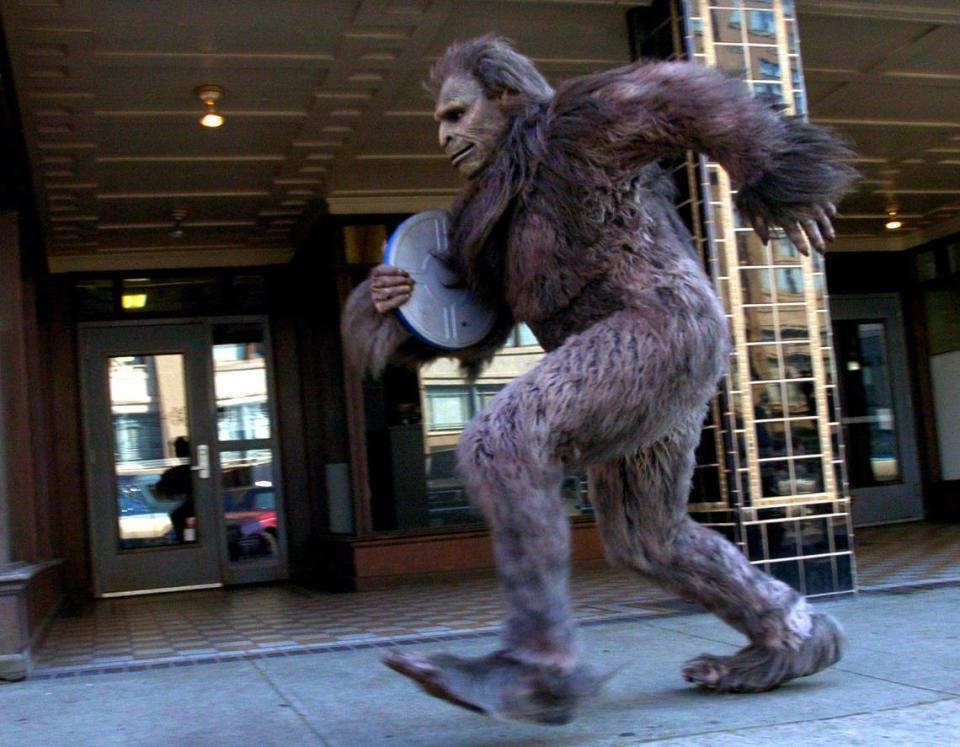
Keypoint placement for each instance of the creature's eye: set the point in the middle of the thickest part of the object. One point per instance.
(453, 115)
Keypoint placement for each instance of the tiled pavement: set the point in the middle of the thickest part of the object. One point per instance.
(907, 555)
(202, 626)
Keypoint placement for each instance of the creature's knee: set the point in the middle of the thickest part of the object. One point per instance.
(634, 556)
(649, 552)
(497, 455)
(477, 459)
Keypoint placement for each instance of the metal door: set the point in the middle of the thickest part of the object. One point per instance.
(149, 437)
(879, 442)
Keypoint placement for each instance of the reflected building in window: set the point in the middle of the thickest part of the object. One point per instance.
(449, 402)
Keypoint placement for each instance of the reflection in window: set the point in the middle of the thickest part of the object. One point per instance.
(872, 449)
(240, 383)
(771, 91)
(769, 70)
(448, 407)
(154, 484)
(411, 416)
(250, 490)
(761, 22)
(522, 337)
(249, 504)
(790, 285)
(244, 421)
(525, 335)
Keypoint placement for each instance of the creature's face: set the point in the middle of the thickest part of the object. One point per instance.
(471, 125)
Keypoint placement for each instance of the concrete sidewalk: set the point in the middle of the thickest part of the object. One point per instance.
(899, 683)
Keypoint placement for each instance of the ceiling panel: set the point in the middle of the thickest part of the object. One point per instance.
(324, 99)
(543, 30)
(894, 99)
(212, 26)
(852, 42)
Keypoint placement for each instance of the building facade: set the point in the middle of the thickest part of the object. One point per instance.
(176, 411)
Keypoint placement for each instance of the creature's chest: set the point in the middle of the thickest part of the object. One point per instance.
(555, 253)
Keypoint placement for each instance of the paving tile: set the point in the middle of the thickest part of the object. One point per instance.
(251, 619)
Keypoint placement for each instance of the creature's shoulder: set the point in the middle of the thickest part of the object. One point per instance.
(581, 104)
(592, 126)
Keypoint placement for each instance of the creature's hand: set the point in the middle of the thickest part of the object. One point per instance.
(390, 288)
(805, 227)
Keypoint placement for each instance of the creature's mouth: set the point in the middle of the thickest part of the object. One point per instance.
(461, 154)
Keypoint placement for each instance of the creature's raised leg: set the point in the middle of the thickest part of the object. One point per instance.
(641, 508)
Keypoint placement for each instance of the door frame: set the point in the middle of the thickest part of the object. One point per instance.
(228, 573)
(886, 504)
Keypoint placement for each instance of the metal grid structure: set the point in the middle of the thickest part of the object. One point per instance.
(770, 472)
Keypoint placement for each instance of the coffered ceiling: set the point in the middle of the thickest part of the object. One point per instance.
(324, 112)
(887, 75)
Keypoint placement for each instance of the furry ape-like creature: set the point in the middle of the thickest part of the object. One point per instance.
(567, 223)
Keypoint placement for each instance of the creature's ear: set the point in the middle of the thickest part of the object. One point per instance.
(508, 99)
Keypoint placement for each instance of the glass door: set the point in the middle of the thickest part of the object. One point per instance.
(181, 456)
(251, 520)
(149, 439)
(879, 445)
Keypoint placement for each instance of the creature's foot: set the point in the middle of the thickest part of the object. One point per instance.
(756, 668)
(500, 685)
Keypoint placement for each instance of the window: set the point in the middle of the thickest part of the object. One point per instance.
(522, 336)
(525, 335)
(769, 70)
(761, 22)
(452, 407)
(448, 407)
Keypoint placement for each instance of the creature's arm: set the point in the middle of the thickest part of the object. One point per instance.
(788, 173)
(374, 338)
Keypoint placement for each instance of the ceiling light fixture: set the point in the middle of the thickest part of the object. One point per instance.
(210, 95)
(178, 216)
(893, 224)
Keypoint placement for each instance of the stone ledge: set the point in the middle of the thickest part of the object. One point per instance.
(16, 576)
(30, 595)
(14, 667)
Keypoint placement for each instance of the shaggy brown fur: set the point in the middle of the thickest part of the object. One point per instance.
(571, 229)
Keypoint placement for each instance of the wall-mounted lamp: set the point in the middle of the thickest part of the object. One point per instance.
(178, 216)
(210, 95)
(893, 224)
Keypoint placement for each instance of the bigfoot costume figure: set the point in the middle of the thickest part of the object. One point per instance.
(566, 223)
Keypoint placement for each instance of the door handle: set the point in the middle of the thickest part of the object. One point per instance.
(202, 467)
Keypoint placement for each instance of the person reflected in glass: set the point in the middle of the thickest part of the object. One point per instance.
(176, 484)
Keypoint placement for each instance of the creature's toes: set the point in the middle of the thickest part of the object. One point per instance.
(706, 670)
(758, 668)
(500, 685)
(422, 671)
(752, 669)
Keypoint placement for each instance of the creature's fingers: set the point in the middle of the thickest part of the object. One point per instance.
(812, 232)
(388, 294)
(383, 272)
(392, 291)
(395, 302)
(390, 282)
(831, 209)
(761, 227)
(826, 226)
(390, 298)
(799, 238)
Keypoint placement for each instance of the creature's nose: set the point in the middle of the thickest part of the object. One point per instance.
(444, 137)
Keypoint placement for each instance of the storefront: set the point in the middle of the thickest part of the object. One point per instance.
(176, 409)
